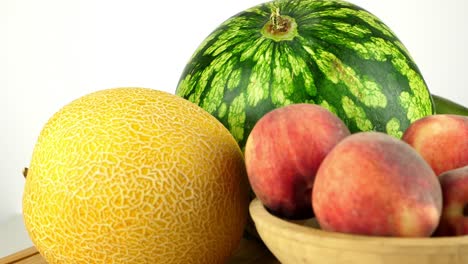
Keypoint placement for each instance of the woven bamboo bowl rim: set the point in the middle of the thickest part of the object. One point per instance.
(303, 242)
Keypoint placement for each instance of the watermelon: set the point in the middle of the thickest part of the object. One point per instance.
(326, 52)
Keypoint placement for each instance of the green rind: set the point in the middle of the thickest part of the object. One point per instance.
(342, 57)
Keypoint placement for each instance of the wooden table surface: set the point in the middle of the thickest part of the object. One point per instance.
(250, 251)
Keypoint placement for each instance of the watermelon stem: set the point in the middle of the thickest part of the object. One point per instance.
(277, 22)
(280, 27)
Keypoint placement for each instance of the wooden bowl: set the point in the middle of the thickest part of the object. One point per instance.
(303, 242)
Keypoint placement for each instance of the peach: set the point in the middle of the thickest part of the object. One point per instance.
(374, 184)
(283, 152)
(442, 140)
(454, 219)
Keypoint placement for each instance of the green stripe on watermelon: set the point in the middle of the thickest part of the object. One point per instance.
(330, 53)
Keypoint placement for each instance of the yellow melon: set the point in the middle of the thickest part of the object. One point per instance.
(135, 175)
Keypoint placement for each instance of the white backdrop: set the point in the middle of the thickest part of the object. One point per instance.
(53, 51)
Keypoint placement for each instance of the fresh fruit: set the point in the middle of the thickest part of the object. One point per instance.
(330, 53)
(374, 184)
(135, 175)
(442, 140)
(283, 153)
(445, 106)
(454, 219)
